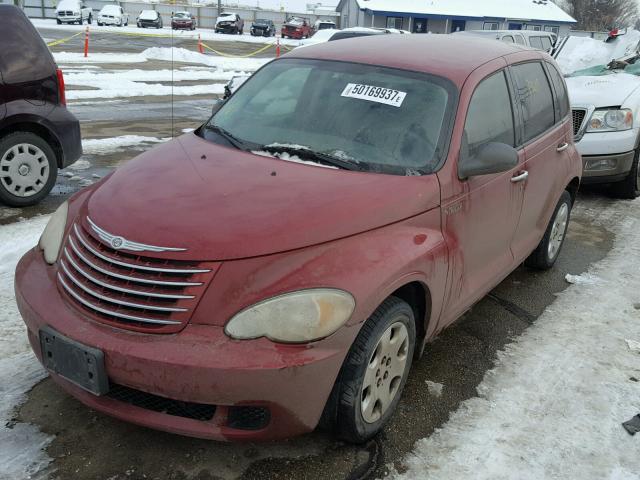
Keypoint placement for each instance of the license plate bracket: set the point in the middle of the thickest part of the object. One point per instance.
(78, 363)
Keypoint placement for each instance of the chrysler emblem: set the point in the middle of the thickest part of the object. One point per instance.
(120, 243)
(117, 242)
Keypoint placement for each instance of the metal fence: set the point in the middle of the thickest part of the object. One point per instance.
(205, 15)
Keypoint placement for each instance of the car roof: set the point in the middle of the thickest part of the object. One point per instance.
(450, 56)
(526, 33)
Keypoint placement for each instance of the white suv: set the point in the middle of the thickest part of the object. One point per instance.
(73, 11)
(113, 15)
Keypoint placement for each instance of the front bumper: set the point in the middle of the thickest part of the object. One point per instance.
(179, 26)
(226, 28)
(199, 365)
(296, 35)
(67, 19)
(110, 21)
(606, 168)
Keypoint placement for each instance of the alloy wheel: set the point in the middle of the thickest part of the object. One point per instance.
(558, 231)
(385, 371)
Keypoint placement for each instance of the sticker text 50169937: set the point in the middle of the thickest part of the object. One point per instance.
(388, 96)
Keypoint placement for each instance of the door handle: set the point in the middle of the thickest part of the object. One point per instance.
(562, 147)
(521, 177)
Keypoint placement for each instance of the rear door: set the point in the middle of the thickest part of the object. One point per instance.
(546, 124)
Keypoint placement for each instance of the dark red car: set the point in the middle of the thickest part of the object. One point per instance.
(296, 27)
(290, 259)
(183, 21)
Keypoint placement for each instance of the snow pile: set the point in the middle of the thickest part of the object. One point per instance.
(584, 279)
(582, 52)
(103, 146)
(22, 452)
(553, 405)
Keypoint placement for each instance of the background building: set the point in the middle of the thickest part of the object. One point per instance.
(445, 16)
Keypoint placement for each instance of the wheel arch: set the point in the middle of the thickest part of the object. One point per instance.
(32, 125)
(572, 187)
(418, 295)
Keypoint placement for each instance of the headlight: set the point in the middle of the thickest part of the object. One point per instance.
(294, 317)
(610, 120)
(51, 238)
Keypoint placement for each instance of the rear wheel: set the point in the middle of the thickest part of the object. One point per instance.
(547, 251)
(28, 169)
(374, 373)
(629, 188)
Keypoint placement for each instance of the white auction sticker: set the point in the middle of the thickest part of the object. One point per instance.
(388, 96)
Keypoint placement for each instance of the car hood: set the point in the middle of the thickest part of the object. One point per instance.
(221, 203)
(602, 91)
(260, 24)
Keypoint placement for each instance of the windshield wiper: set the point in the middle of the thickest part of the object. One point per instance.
(320, 157)
(228, 136)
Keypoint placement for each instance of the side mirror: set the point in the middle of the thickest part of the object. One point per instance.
(491, 158)
(217, 105)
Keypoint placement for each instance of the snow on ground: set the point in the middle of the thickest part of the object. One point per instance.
(21, 452)
(205, 34)
(553, 405)
(174, 54)
(135, 83)
(103, 146)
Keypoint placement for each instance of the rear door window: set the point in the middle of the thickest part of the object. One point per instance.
(535, 42)
(534, 98)
(520, 40)
(490, 116)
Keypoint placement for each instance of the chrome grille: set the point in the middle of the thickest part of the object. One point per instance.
(578, 115)
(129, 290)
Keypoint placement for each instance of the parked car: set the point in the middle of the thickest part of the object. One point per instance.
(296, 27)
(605, 101)
(38, 135)
(73, 11)
(263, 28)
(229, 23)
(353, 32)
(289, 259)
(149, 18)
(539, 40)
(324, 25)
(183, 21)
(113, 15)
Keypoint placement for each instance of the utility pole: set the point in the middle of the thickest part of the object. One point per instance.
(219, 7)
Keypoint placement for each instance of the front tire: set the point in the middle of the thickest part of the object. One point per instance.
(548, 250)
(28, 169)
(374, 373)
(629, 188)
(90, 19)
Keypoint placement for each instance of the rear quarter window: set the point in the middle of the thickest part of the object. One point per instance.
(534, 98)
(24, 57)
(562, 97)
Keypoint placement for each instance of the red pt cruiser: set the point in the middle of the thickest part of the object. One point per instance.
(289, 260)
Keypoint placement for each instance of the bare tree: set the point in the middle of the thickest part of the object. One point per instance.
(602, 14)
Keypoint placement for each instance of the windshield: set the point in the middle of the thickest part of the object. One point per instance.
(379, 119)
(182, 15)
(110, 9)
(259, 20)
(599, 70)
